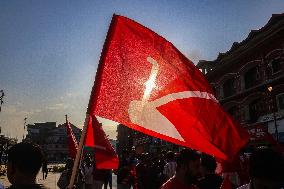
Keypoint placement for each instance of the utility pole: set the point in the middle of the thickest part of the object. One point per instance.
(1, 98)
(25, 133)
(25, 121)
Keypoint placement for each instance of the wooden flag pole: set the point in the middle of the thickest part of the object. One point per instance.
(78, 154)
(92, 104)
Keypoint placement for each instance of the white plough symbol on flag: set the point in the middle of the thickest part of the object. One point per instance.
(145, 113)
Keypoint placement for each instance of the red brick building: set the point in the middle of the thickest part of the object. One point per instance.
(242, 76)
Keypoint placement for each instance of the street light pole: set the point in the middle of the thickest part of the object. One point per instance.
(269, 88)
(275, 125)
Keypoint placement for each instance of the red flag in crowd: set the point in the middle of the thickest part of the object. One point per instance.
(145, 83)
(105, 156)
(72, 142)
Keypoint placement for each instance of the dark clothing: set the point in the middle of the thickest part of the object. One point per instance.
(123, 175)
(30, 186)
(143, 176)
(108, 179)
(212, 181)
(44, 170)
(100, 174)
(64, 179)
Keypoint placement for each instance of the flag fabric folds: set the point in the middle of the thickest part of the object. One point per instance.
(105, 156)
(72, 142)
(145, 83)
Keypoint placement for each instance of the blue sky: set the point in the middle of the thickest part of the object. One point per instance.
(49, 50)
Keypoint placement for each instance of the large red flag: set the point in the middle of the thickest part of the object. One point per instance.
(105, 156)
(72, 142)
(145, 83)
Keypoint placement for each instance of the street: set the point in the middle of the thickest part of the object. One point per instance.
(51, 180)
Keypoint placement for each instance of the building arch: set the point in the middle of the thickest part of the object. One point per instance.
(226, 77)
(229, 80)
(230, 104)
(273, 53)
(249, 73)
(252, 97)
(248, 66)
(252, 105)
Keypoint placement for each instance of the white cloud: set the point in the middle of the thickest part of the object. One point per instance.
(69, 95)
(58, 106)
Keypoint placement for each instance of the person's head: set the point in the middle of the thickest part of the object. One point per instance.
(170, 156)
(125, 154)
(69, 163)
(266, 169)
(24, 162)
(208, 164)
(188, 163)
(88, 161)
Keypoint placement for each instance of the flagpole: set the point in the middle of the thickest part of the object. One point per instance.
(78, 154)
(92, 104)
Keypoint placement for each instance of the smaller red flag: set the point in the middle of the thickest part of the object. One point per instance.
(226, 183)
(72, 142)
(105, 156)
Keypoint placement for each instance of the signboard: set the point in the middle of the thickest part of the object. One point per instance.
(257, 132)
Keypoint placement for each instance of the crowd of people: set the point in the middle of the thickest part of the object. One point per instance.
(187, 169)
(166, 170)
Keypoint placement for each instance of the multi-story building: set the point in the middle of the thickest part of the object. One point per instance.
(248, 80)
(124, 139)
(52, 139)
(38, 132)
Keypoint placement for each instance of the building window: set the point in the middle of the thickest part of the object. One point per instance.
(244, 113)
(233, 111)
(251, 77)
(276, 65)
(280, 101)
(229, 87)
(214, 91)
(253, 111)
